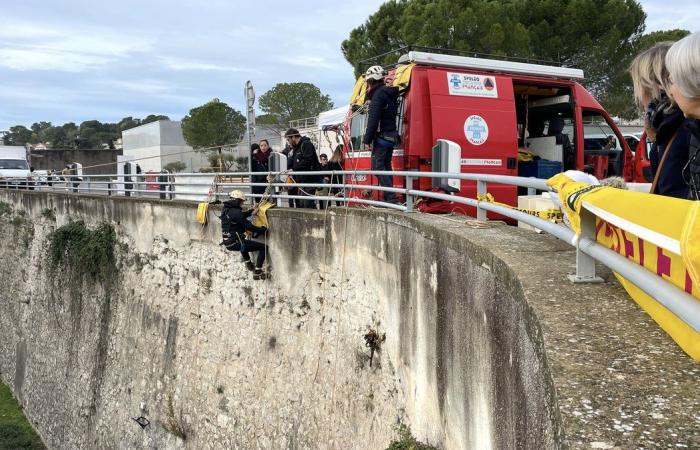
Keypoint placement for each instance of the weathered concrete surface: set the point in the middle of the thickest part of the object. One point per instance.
(487, 345)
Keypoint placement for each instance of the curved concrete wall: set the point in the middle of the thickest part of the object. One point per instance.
(188, 337)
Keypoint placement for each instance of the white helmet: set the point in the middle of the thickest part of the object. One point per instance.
(375, 73)
(239, 195)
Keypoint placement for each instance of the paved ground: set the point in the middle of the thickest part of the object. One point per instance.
(621, 381)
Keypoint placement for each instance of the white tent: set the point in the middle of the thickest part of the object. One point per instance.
(333, 117)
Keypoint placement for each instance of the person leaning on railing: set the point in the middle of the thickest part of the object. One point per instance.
(683, 62)
(664, 121)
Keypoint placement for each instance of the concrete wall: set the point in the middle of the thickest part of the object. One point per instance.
(276, 364)
(57, 160)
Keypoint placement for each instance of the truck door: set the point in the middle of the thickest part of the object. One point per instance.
(477, 111)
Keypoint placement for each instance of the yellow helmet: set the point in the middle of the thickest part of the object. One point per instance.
(237, 195)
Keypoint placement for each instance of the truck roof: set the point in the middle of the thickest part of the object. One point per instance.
(13, 152)
(490, 65)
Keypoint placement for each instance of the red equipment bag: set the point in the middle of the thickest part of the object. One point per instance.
(433, 205)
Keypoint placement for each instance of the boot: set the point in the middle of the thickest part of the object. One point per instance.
(249, 265)
(258, 274)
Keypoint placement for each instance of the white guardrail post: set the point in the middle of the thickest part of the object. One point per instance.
(409, 197)
(585, 265)
(481, 191)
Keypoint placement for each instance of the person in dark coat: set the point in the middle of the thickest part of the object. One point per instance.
(683, 63)
(261, 163)
(381, 135)
(336, 164)
(669, 153)
(236, 230)
(664, 121)
(304, 159)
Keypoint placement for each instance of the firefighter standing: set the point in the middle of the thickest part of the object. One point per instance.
(236, 231)
(381, 136)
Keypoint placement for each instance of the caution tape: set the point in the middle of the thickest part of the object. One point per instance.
(551, 214)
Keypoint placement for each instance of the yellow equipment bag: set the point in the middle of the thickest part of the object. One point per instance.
(661, 234)
(202, 210)
(260, 219)
(402, 76)
(358, 92)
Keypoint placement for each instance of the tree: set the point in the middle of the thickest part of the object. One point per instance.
(175, 166)
(153, 118)
(214, 124)
(127, 123)
(291, 101)
(594, 35)
(18, 135)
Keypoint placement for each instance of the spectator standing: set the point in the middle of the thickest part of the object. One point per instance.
(381, 135)
(261, 163)
(664, 121)
(336, 164)
(304, 159)
(683, 62)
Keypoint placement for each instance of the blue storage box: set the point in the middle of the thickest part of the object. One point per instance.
(541, 168)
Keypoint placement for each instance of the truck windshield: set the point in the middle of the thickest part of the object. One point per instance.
(16, 164)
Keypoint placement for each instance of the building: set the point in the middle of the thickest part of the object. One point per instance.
(156, 144)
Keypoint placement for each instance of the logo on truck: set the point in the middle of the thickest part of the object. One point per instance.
(476, 130)
(471, 85)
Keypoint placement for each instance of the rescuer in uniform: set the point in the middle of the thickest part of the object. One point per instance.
(381, 136)
(237, 231)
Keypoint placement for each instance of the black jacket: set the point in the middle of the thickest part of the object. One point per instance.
(304, 156)
(235, 221)
(383, 108)
(691, 172)
(261, 166)
(668, 123)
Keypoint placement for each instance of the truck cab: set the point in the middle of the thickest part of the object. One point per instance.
(14, 168)
(495, 111)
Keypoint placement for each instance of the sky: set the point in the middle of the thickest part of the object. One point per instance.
(75, 60)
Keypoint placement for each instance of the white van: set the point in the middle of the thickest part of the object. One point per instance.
(14, 168)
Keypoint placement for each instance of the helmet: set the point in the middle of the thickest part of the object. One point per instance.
(374, 73)
(239, 195)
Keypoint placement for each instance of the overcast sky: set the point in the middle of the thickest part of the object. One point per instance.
(70, 61)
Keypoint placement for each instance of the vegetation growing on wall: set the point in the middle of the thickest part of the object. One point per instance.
(15, 431)
(84, 251)
(406, 441)
(173, 424)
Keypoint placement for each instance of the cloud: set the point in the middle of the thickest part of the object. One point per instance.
(26, 46)
(184, 64)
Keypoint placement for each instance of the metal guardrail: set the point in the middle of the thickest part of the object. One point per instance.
(184, 187)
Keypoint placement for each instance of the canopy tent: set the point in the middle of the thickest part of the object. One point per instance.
(333, 117)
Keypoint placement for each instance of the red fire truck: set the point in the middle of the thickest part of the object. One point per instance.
(494, 110)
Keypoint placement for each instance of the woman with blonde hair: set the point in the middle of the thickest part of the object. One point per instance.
(664, 121)
(683, 62)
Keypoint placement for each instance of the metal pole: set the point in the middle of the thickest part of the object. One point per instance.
(585, 265)
(409, 197)
(481, 190)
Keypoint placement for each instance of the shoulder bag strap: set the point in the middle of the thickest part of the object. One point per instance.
(667, 150)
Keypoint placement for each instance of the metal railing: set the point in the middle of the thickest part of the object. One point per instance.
(345, 185)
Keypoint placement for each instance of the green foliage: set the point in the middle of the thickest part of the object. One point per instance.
(213, 124)
(15, 431)
(17, 135)
(406, 441)
(173, 424)
(48, 214)
(84, 251)
(598, 36)
(5, 209)
(291, 101)
(154, 118)
(175, 166)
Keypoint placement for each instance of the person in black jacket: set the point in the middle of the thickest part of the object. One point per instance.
(304, 159)
(236, 229)
(381, 136)
(683, 62)
(664, 121)
(261, 163)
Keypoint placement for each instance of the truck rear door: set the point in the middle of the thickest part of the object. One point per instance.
(477, 111)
